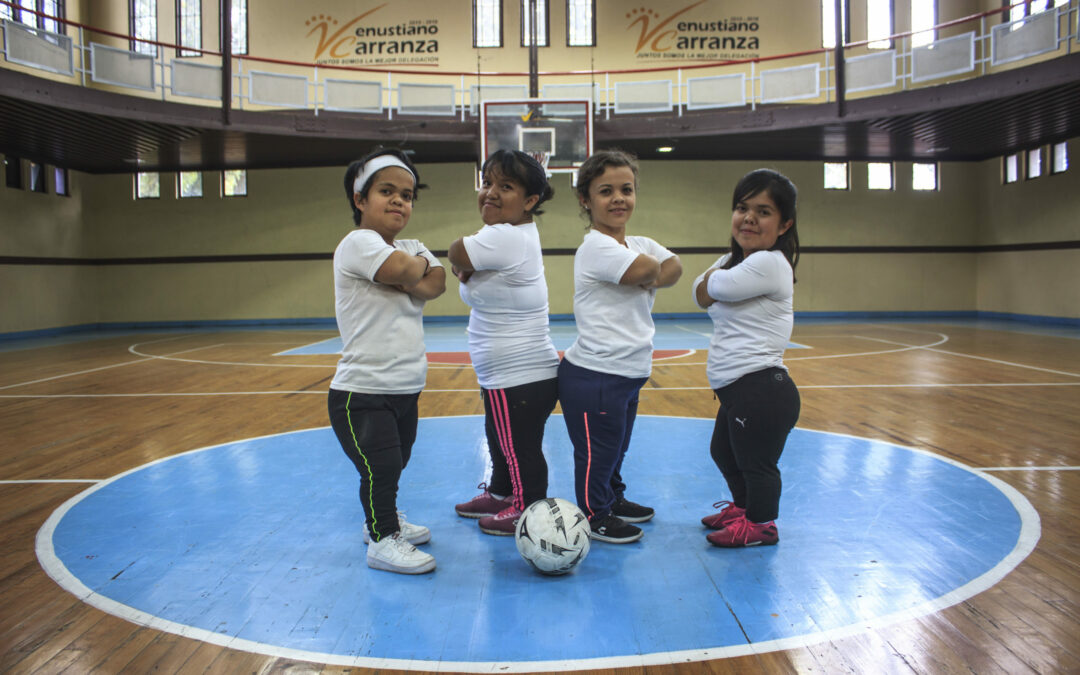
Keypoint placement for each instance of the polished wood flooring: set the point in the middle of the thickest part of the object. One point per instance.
(1004, 399)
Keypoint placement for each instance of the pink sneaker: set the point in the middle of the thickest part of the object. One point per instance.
(482, 505)
(741, 532)
(502, 523)
(719, 521)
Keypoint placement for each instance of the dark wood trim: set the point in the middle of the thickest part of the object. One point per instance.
(681, 250)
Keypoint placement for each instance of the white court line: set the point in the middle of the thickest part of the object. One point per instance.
(1029, 535)
(928, 385)
(471, 390)
(50, 480)
(91, 370)
(1031, 468)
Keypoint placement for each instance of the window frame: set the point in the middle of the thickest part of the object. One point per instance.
(847, 175)
(937, 177)
(137, 187)
(592, 23)
(224, 184)
(1018, 168)
(61, 184)
(26, 18)
(887, 42)
(1033, 161)
(13, 172)
(180, 185)
(543, 40)
(845, 21)
(39, 178)
(892, 176)
(497, 6)
(188, 50)
(1059, 150)
(931, 32)
(135, 45)
(244, 9)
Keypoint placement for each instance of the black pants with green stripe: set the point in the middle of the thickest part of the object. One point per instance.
(377, 432)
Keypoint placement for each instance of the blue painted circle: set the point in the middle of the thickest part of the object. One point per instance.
(261, 541)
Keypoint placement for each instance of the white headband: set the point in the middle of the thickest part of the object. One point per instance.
(374, 166)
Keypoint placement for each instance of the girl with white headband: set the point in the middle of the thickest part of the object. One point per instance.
(380, 286)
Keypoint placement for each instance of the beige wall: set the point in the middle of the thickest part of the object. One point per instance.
(680, 203)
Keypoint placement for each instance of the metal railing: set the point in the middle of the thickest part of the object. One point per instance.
(973, 46)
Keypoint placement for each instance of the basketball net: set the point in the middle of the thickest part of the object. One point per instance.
(542, 158)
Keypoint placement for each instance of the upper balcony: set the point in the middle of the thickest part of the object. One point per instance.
(983, 87)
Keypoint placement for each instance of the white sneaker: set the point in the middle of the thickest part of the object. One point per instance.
(395, 554)
(414, 534)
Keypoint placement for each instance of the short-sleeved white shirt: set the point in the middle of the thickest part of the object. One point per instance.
(752, 316)
(614, 322)
(381, 327)
(509, 338)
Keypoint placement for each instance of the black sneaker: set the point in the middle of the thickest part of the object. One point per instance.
(614, 530)
(631, 512)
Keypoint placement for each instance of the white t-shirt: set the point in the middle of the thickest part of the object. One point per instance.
(752, 316)
(509, 339)
(381, 327)
(614, 322)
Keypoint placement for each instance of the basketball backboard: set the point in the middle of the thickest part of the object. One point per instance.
(561, 128)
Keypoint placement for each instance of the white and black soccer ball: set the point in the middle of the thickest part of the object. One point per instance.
(552, 535)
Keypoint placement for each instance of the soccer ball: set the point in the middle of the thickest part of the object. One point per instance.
(552, 535)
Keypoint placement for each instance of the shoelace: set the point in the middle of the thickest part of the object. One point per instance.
(723, 505)
(401, 543)
(740, 529)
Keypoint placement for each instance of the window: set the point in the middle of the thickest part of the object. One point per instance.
(923, 20)
(836, 175)
(541, 24)
(60, 182)
(828, 22)
(48, 8)
(189, 184)
(879, 176)
(13, 172)
(234, 183)
(1034, 163)
(147, 185)
(1059, 158)
(38, 182)
(580, 23)
(239, 21)
(189, 26)
(143, 25)
(924, 176)
(879, 24)
(487, 23)
(1011, 169)
(1022, 9)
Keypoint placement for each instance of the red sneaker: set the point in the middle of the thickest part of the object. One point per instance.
(719, 521)
(482, 505)
(502, 523)
(741, 532)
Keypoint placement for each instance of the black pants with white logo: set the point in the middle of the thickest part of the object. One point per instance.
(757, 412)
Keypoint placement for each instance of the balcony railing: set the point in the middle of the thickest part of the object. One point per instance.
(971, 46)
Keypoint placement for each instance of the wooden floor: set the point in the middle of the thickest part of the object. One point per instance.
(1003, 400)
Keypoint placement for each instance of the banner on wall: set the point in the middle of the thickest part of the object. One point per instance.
(693, 31)
(438, 34)
(375, 36)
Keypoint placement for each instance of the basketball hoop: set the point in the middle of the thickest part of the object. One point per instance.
(543, 158)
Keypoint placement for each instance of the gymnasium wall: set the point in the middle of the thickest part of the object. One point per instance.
(36, 225)
(263, 257)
